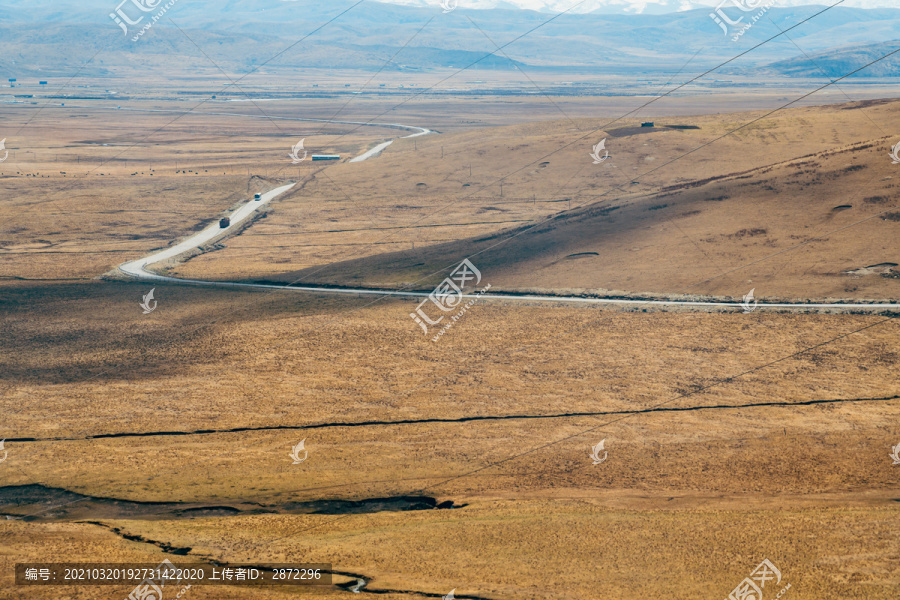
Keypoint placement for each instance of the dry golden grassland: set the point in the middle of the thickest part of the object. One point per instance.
(685, 504)
(568, 548)
(731, 437)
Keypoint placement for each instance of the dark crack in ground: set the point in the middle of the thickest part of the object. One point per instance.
(139, 434)
(359, 583)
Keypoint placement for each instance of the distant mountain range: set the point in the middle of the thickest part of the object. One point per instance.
(59, 37)
(647, 7)
(837, 63)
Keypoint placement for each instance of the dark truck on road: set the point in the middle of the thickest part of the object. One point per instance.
(225, 222)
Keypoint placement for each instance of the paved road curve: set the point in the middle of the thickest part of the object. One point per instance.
(380, 147)
(138, 269)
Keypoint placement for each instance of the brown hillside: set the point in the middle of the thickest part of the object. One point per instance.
(796, 218)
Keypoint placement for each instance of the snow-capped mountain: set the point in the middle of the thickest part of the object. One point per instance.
(624, 6)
